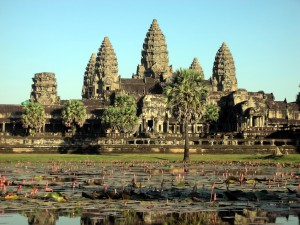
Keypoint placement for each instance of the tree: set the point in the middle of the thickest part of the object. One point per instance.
(73, 114)
(33, 117)
(121, 115)
(211, 114)
(298, 98)
(186, 96)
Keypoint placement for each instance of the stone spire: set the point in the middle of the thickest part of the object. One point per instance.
(224, 78)
(106, 69)
(44, 89)
(155, 59)
(197, 67)
(87, 88)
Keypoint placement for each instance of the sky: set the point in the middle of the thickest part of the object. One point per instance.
(60, 35)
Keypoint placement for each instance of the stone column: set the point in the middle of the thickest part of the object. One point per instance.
(3, 127)
(154, 125)
(144, 124)
(168, 124)
(260, 121)
(251, 120)
(273, 142)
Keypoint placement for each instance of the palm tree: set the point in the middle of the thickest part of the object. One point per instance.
(186, 96)
(73, 114)
(33, 117)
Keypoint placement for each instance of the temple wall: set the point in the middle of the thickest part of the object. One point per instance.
(145, 145)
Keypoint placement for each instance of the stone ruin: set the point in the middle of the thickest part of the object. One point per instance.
(155, 59)
(44, 89)
(197, 67)
(88, 89)
(224, 78)
(101, 75)
(251, 113)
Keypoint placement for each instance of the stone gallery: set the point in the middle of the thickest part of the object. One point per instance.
(241, 112)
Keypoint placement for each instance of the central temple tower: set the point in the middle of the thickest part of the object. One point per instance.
(155, 59)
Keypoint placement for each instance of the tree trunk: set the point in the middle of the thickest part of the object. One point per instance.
(186, 154)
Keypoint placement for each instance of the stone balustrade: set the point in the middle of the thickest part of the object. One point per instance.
(48, 140)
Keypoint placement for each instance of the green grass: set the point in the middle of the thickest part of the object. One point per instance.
(144, 157)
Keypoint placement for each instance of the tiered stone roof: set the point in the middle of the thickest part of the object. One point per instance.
(224, 77)
(44, 89)
(197, 67)
(106, 61)
(155, 59)
(89, 77)
(106, 68)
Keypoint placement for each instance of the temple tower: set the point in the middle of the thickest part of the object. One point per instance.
(106, 76)
(44, 89)
(87, 88)
(155, 59)
(197, 67)
(224, 78)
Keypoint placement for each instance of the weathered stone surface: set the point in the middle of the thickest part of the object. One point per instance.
(87, 89)
(197, 67)
(154, 114)
(44, 89)
(155, 59)
(106, 76)
(224, 78)
(242, 113)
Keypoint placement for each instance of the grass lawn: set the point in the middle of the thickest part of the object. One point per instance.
(295, 158)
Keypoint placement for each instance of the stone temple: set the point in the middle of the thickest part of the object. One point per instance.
(241, 112)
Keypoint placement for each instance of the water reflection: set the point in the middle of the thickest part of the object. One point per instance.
(127, 217)
(44, 217)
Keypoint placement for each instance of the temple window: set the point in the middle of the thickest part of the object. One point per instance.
(150, 123)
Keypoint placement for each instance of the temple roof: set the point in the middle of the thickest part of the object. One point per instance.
(293, 106)
(197, 67)
(7, 108)
(224, 69)
(106, 61)
(155, 57)
(89, 76)
(224, 64)
(277, 105)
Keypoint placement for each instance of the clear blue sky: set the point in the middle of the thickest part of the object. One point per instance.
(60, 35)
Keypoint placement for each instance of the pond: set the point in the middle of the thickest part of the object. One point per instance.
(161, 192)
(126, 217)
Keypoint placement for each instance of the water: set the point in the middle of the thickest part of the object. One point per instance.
(209, 218)
(176, 193)
(17, 219)
(291, 220)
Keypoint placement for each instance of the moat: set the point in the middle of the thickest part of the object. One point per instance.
(161, 192)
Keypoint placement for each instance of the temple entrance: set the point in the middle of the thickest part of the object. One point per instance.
(150, 125)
